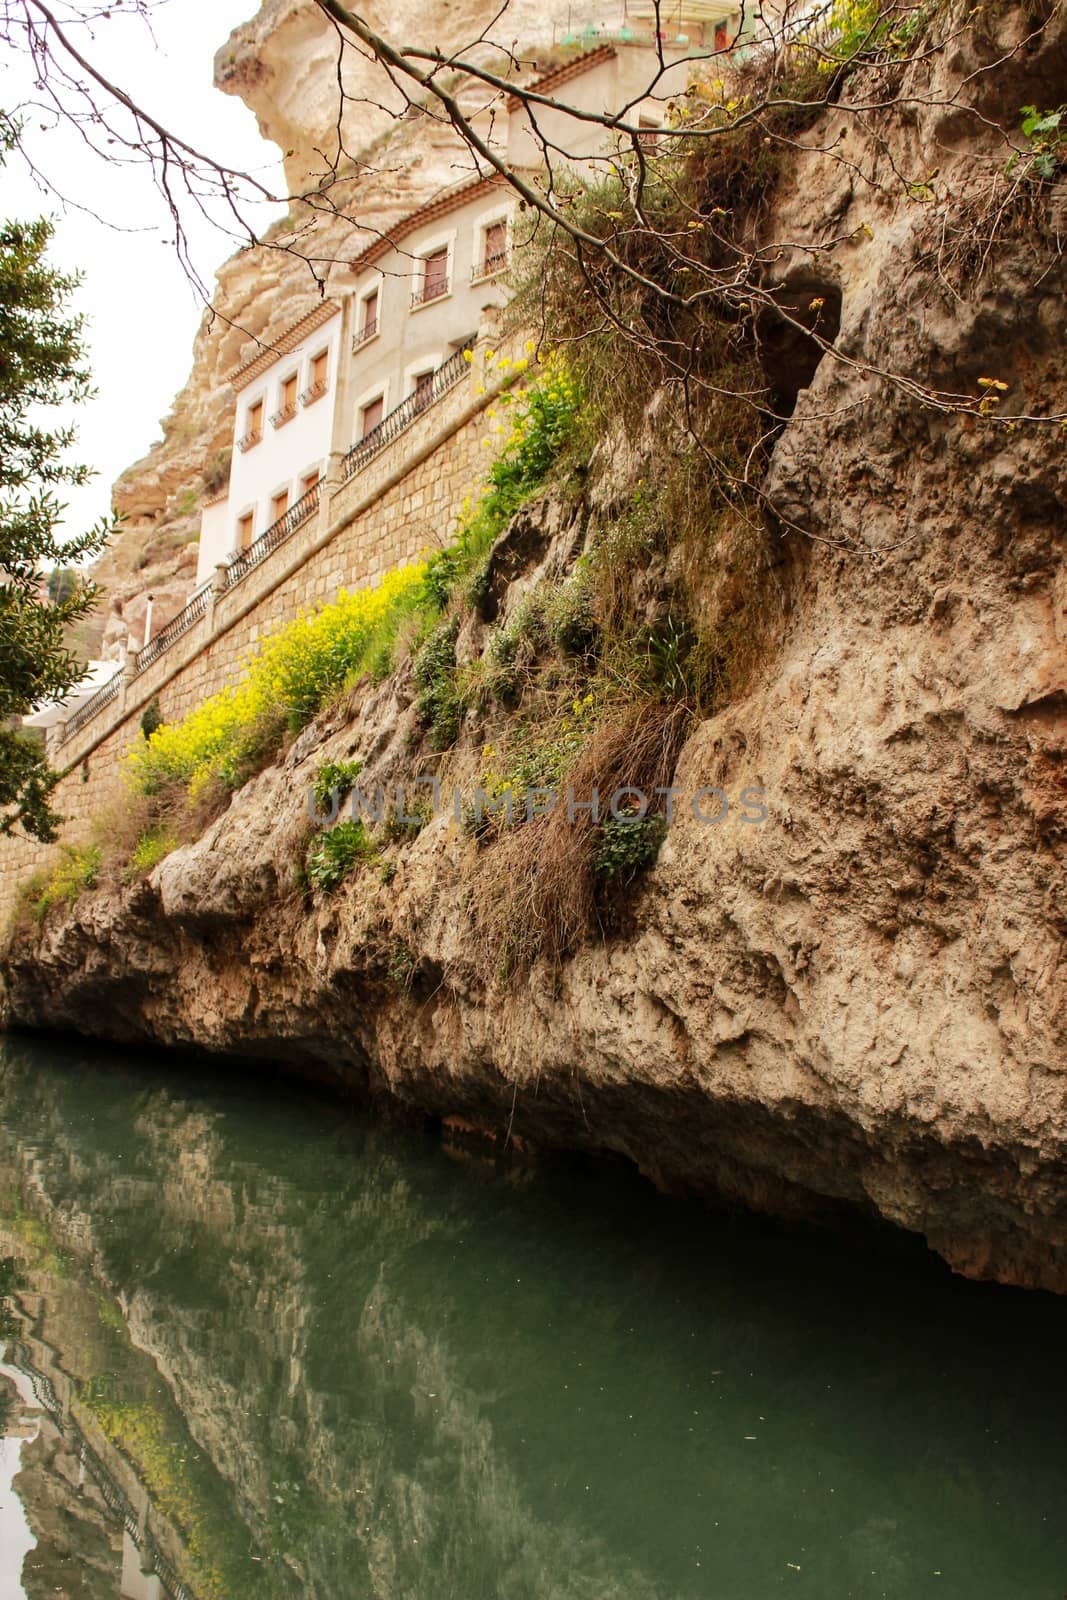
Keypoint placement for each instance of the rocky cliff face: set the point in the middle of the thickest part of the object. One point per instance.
(860, 1001)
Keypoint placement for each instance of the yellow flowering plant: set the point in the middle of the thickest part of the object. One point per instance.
(290, 677)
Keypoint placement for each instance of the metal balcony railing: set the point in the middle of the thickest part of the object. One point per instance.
(365, 334)
(275, 535)
(190, 613)
(430, 291)
(153, 1560)
(490, 266)
(445, 378)
(282, 416)
(89, 708)
(249, 439)
(313, 392)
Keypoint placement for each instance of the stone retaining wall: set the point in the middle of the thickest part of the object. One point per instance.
(405, 501)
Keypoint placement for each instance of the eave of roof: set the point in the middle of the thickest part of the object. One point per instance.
(564, 73)
(471, 189)
(315, 318)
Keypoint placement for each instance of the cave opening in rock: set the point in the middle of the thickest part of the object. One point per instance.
(793, 333)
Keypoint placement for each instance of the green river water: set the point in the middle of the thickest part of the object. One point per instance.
(259, 1345)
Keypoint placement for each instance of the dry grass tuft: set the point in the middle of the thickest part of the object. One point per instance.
(534, 890)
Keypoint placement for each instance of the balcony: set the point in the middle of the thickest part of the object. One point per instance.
(426, 292)
(490, 266)
(280, 418)
(313, 392)
(250, 439)
(368, 332)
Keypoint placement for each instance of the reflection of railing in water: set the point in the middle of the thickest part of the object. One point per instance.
(153, 1558)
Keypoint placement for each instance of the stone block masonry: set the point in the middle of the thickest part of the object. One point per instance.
(408, 500)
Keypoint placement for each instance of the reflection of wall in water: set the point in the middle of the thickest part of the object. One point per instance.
(137, 1584)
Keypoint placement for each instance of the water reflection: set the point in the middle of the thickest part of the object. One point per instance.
(273, 1350)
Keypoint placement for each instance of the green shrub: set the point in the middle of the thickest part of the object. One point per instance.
(627, 848)
(512, 649)
(78, 869)
(295, 672)
(299, 669)
(151, 718)
(439, 706)
(543, 425)
(334, 778)
(402, 965)
(151, 847)
(570, 615)
(332, 855)
(873, 30)
(1048, 143)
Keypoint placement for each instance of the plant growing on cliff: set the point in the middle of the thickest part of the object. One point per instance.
(333, 782)
(155, 843)
(42, 366)
(538, 425)
(333, 854)
(1047, 137)
(292, 675)
(76, 869)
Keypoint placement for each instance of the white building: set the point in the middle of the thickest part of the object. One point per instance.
(283, 426)
(417, 294)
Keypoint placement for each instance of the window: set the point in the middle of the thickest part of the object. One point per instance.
(279, 505)
(433, 280)
(648, 132)
(494, 250)
(422, 388)
(309, 480)
(253, 426)
(287, 409)
(368, 318)
(318, 376)
(246, 527)
(371, 415)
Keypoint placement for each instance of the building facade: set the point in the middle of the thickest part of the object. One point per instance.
(366, 356)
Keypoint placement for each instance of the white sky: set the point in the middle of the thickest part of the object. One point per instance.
(142, 312)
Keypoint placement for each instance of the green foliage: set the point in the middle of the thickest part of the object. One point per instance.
(333, 854)
(155, 843)
(151, 718)
(570, 614)
(10, 1280)
(540, 426)
(402, 965)
(873, 30)
(439, 705)
(294, 673)
(512, 649)
(627, 848)
(298, 670)
(77, 869)
(333, 782)
(63, 584)
(1048, 143)
(41, 368)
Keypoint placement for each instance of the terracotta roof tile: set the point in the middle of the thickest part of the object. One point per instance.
(242, 376)
(564, 73)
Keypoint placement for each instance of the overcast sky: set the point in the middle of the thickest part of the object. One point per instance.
(142, 313)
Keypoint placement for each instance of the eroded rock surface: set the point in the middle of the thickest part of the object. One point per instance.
(860, 1000)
